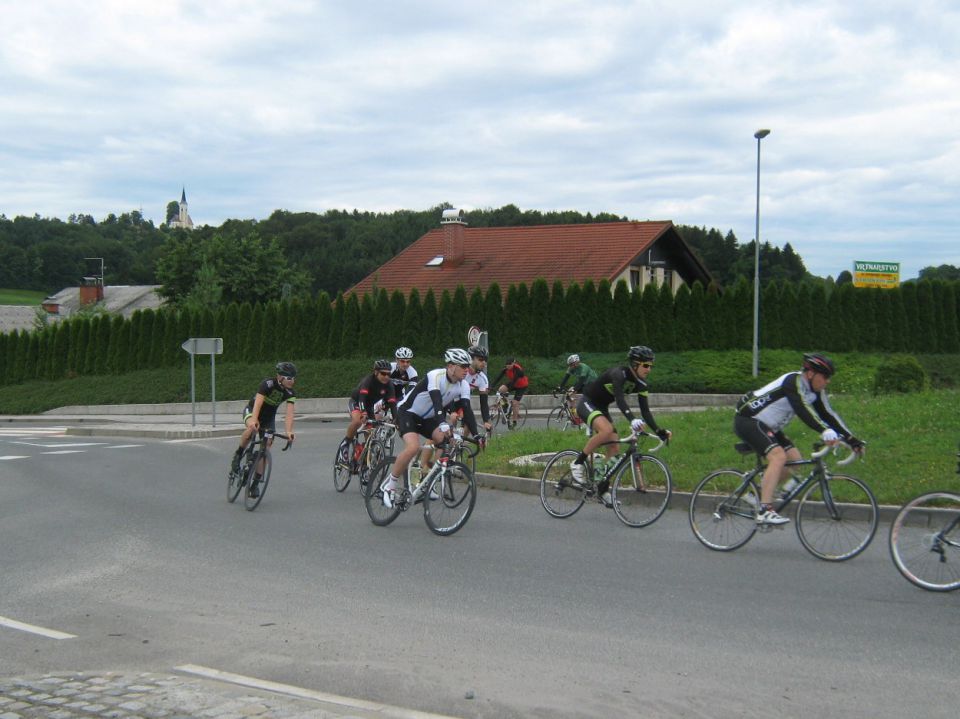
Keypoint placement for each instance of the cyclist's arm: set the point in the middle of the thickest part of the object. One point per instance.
(289, 420)
(807, 414)
(642, 400)
(617, 382)
(496, 382)
(563, 382)
(469, 418)
(827, 414)
(257, 406)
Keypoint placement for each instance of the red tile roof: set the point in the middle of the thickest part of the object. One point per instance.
(511, 255)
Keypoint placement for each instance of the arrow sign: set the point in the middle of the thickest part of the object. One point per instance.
(203, 345)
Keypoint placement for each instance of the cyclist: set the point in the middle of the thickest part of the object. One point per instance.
(763, 413)
(261, 411)
(517, 382)
(478, 380)
(375, 388)
(421, 412)
(401, 371)
(582, 374)
(594, 409)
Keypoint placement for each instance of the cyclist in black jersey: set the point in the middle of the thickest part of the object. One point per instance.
(261, 411)
(594, 409)
(373, 388)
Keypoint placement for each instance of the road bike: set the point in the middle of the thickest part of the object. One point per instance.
(373, 442)
(640, 484)
(256, 463)
(925, 540)
(564, 415)
(448, 491)
(836, 516)
(502, 413)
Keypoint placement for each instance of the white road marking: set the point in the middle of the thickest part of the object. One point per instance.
(383, 709)
(67, 451)
(123, 446)
(34, 629)
(39, 431)
(62, 444)
(15, 456)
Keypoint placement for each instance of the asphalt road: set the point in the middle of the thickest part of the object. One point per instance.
(130, 546)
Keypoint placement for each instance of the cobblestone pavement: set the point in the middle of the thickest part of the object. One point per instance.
(158, 696)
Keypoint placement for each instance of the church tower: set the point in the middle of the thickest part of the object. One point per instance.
(183, 219)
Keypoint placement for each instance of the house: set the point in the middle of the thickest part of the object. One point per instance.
(119, 299)
(453, 254)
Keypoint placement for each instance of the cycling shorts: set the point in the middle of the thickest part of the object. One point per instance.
(409, 422)
(268, 419)
(759, 436)
(588, 411)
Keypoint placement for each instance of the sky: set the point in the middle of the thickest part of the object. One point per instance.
(642, 109)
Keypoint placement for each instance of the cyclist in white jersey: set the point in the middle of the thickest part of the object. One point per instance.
(421, 412)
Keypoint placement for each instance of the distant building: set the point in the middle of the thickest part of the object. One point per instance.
(119, 299)
(183, 218)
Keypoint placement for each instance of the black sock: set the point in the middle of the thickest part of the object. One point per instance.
(581, 458)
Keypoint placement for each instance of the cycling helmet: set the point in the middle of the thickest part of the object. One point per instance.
(381, 365)
(509, 361)
(819, 363)
(478, 351)
(455, 355)
(286, 369)
(403, 353)
(573, 359)
(640, 353)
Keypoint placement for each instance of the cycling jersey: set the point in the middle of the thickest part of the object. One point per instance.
(274, 394)
(582, 373)
(370, 391)
(434, 392)
(612, 386)
(776, 403)
(516, 379)
(479, 382)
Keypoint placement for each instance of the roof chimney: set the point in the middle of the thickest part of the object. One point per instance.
(453, 223)
(91, 290)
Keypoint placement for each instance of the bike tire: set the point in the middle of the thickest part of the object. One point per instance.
(559, 418)
(640, 497)
(251, 503)
(925, 541)
(380, 514)
(341, 466)
(723, 517)
(837, 528)
(521, 416)
(450, 499)
(560, 494)
(374, 454)
(235, 483)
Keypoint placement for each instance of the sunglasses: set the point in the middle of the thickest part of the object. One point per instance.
(645, 365)
(383, 371)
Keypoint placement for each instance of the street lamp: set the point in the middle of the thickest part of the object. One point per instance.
(759, 134)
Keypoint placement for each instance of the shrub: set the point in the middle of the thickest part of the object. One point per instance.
(900, 373)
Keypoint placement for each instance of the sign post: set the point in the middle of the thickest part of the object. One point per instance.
(203, 346)
(885, 275)
(477, 336)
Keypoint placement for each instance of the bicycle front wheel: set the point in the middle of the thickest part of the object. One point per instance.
(560, 494)
(234, 484)
(372, 457)
(249, 501)
(450, 500)
(521, 416)
(641, 494)
(723, 510)
(559, 418)
(341, 466)
(925, 541)
(379, 513)
(837, 518)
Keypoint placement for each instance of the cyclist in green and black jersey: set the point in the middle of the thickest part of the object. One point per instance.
(261, 411)
(594, 409)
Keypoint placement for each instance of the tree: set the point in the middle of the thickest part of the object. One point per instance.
(493, 316)
(428, 327)
(413, 321)
(943, 272)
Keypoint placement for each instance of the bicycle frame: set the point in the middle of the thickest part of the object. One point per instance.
(631, 452)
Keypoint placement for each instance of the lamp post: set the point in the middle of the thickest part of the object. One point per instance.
(759, 134)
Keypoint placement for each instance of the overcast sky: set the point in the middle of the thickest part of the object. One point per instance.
(643, 109)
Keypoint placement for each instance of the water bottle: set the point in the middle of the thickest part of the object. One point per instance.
(789, 486)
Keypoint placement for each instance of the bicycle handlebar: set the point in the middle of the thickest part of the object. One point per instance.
(825, 449)
(634, 436)
(267, 434)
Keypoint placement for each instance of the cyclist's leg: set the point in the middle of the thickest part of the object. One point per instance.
(249, 427)
(770, 445)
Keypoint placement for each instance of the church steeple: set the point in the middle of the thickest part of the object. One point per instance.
(183, 196)
(183, 217)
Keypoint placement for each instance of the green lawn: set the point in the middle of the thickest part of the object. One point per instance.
(21, 297)
(912, 443)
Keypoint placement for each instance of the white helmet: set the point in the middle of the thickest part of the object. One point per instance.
(403, 353)
(455, 355)
(573, 359)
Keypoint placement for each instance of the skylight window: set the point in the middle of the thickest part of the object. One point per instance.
(436, 261)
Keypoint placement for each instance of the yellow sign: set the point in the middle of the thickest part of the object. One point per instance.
(885, 275)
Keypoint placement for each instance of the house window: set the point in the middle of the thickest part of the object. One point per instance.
(668, 278)
(635, 281)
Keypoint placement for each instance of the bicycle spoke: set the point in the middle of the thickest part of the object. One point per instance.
(925, 541)
(450, 501)
(379, 513)
(560, 494)
(341, 466)
(837, 518)
(641, 495)
(260, 487)
(723, 510)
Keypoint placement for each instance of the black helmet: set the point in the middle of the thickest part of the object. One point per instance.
(478, 351)
(819, 363)
(509, 361)
(381, 365)
(640, 353)
(286, 369)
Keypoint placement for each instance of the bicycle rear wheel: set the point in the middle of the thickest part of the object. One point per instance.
(559, 418)
(925, 541)
(560, 494)
(379, 513)
(641, 496)
(723, 510)
(837, 518)
(449, 502)
(341, 466)
(235, 483)
(251, 503)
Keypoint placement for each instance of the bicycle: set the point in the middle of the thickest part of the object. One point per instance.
(503, 413)
(639, 496)
(373, 442)
(925, 540)
(256, 453)
(564, 415)
(448, 492)
(836, 516)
